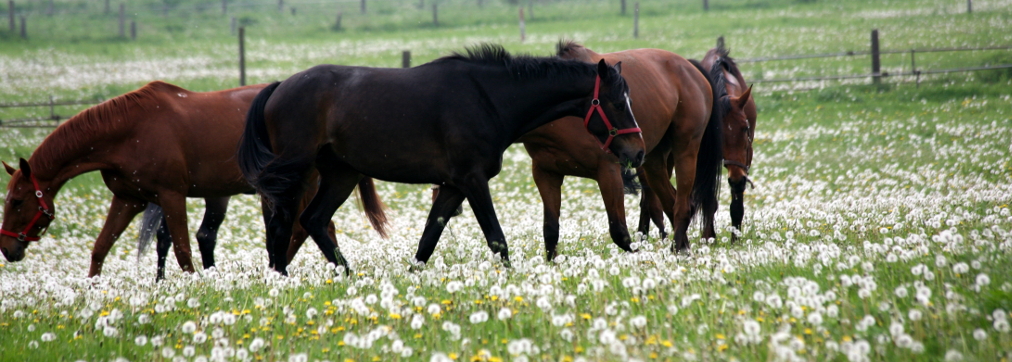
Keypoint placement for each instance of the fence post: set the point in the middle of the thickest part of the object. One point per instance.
(636, 20)
(523, 27)
(224, 7)
(706, 5)
(913, 68)
(133, 30)
(232, 27)
(52, 113)
(242, 55)
(406, 59)
(337, 26)
(107, 10)
(969, 6)
(876, 65)
(362, 6)
(10, 12)
(530, 9)
(435, 14)
(49, 8)
(122, 20)
(24, 29)
(480, 4)
(623, 7)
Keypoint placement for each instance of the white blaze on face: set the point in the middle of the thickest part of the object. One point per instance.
(628, 106)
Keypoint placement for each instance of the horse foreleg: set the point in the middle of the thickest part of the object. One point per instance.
(162, 246)
(439, 215)
(121, 212)
(609, 180)
(550, 187)
(650, 210)
(207, 235)
(478, 196)
(737, 207)
(335, 187)
(174, 205)
(656, 174)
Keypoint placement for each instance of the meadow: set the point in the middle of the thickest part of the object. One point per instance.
(879, 227)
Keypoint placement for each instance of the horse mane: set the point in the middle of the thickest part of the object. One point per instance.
(109, 117)
(722, 53)
(564, 47)
(521, 66)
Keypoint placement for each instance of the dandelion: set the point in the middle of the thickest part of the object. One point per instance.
(815, 318)
(901, 292)
(193, 303)
(188, 327)
(434, 309)
(638, 321)
(199, 338)
(566, 334)
(48, 337)
(1001, 325)
(168, 352)
(189, 351)
(254, 346)
(228, 319)
(979, 334)
(478, 317)
(407, 352)
(298, 357)
(311, 313)
(504, 314)
(454, 286)
(904, 341)
(417, 321)
(141, 340)
(953, 356)
(914, 315)
(758, 297)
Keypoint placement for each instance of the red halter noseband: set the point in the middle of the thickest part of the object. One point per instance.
(43, 210)
(595, 105)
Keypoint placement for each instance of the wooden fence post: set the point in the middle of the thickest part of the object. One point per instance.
(232, 27)
(107, 9)
(133, 30)
(122, 20)
(523, 27)
(337, 26)
(636, 20)
(224, 7)
(10, 12)
(362, 6)
(623, 7)
(49, 8)
(281, 5)
(242, 55)
(24, 29)
(406, 59)
(876, 64)
(706, 5)
(530, 9)
(969, 6)
(480, 3)
(435, 14)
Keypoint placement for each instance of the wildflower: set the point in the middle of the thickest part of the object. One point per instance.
(454, 286)
(188, 327)
(189, 351)
(914, 315)
(901, 292)
(478, 317)
(1001, 325)
(141, 340)
(504, 314)
(638, 321)
(904, 341)
(815, 318)
(48, 337)
(255, 345)
(168, 352)
(311, 313)
(434, 308)
(199, 337)
(566, 334)
(193, 303)
(953, 356)
(979, 334)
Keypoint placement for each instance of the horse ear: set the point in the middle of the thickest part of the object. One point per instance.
(602, 69)
(10, 170)
(743, 98)
(618, 67)
(25, 168)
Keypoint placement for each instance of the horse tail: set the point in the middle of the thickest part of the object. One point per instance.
(150, 222)
(254, 152)
(373, 205)
(710, 158)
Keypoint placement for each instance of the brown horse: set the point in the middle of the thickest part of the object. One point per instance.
(672, 100)
(738, 107)
(159, 144)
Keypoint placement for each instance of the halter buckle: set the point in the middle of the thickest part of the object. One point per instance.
(38, 194)
(613, 132)
(595, 102)
(22, 236)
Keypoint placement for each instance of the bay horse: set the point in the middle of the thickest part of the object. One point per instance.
(737, 105)
(158, 144)
(672, 101)
(446, 122)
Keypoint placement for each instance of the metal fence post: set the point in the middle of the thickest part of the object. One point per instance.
(242, 55)
(406, 59)
(876, 64)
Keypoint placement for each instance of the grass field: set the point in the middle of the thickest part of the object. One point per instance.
(879, 228)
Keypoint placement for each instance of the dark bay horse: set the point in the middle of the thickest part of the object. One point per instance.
(735, 102)
(672, 101)
(446, 122)
(158, 144)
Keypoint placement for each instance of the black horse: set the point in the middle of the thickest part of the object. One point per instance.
(447, 122)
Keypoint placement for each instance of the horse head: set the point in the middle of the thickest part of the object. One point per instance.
(610, 118)
(27, 212)
(737, 141)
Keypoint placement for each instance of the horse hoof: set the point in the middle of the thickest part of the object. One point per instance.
(416, 266)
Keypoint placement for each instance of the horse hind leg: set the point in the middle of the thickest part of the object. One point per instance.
(207, 235)
(650, 211)
(442, 210)
(162, 246)
(550, 187)
(609, 180)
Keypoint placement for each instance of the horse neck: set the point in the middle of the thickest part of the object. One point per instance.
(77, 147)
(527, 104)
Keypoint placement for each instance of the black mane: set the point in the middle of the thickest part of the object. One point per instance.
(521, 66)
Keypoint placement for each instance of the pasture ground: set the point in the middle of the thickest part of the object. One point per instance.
(879, 228)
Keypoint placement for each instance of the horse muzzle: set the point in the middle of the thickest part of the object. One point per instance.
(14, 253)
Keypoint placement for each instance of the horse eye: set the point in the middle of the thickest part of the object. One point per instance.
(15, 203)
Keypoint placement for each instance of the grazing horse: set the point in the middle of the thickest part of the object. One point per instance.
(447, 122)
(159, 144)
(736, 104)
(672, 101)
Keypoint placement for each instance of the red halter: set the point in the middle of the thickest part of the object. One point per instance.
(595, 105)
(43, 210)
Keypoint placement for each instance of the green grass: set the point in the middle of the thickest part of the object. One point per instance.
(852, 179)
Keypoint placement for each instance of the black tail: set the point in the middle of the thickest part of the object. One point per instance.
(150, 222)
(711, 151)
(254, 151)
(372, 205)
